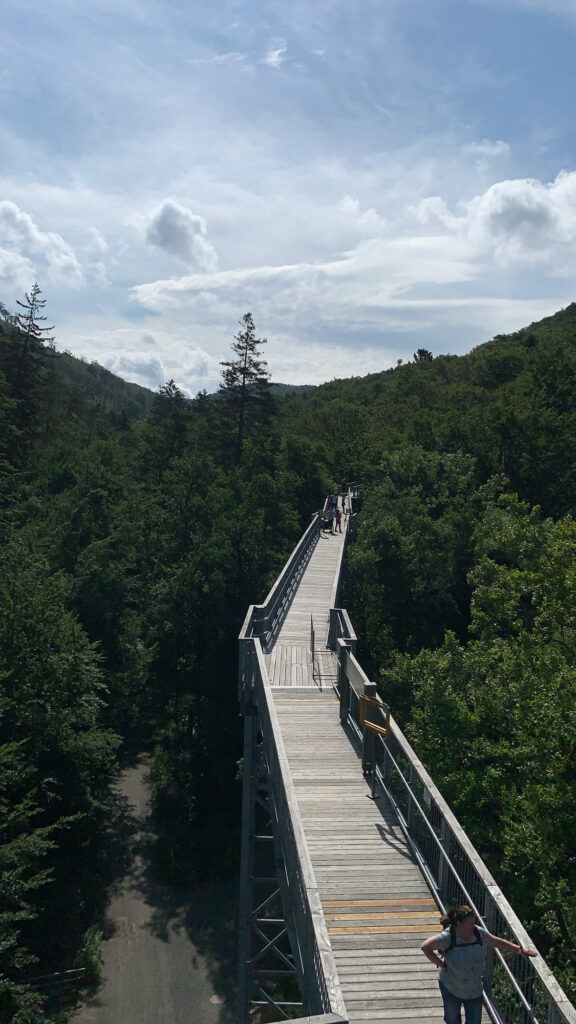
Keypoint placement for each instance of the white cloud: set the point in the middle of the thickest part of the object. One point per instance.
(313, 363)
(367, 222)
(150, 363)
(20, 233)
(545, 6)
(16, 272)
(526, 220)
(97, 245)
(182, 233)
(520, 221)
(487, 148)
(137, 367)
(369, 276)
(433, 209)
(234, 57)
(149, 357)
(275, 55)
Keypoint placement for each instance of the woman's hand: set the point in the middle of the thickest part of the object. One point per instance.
(432, 954)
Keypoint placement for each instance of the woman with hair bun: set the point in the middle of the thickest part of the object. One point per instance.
(460, 951)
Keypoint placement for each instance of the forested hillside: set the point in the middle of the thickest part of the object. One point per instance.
(129, 552)
(462, 590)
(131, 547)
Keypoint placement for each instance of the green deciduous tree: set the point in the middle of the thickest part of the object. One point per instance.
(413, 551)
(495, 719)
(51, 699)
(24, 872)
(167, 427)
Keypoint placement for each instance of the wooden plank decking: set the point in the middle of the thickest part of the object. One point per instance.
(377, 906)
(288, 658)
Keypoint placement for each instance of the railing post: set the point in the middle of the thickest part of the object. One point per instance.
(332, 629)
(260, 621)
(343, 683)
(410, 806)
(490, 920)
(368, 736)
(442, 873)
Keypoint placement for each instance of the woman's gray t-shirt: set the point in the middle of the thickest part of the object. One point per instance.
(462, 975)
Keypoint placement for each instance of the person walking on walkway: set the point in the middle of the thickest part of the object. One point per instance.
(338, 519)
(460, 951)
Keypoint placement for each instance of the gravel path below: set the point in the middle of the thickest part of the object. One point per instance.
(170, 958)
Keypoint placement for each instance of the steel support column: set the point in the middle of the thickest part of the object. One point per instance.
(267, 971)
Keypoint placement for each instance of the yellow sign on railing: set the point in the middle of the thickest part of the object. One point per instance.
(382, 708)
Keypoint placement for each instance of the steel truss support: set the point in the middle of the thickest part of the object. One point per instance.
(268, 986)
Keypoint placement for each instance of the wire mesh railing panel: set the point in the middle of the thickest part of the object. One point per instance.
(311, 947)
(520, 990)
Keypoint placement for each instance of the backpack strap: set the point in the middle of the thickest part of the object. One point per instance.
(477, 939)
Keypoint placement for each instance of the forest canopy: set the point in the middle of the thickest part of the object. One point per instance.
(135, 530)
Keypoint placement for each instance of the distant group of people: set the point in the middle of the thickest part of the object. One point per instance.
(333, 514)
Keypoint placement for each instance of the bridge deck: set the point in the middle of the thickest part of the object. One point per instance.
(288, 659)
(377, 906)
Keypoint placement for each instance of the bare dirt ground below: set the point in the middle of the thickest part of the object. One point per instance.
(170, 957)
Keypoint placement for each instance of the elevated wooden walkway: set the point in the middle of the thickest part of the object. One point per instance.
(288, 656)
(377, 906)
(339, 889)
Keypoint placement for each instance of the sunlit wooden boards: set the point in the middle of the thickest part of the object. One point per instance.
(377, 906)
(289, 659)
(313, 594)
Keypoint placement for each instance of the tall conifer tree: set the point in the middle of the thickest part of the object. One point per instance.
(35, 339)
(245, 381)
(33, 346)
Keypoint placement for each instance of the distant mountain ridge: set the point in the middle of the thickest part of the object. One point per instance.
(106, 392)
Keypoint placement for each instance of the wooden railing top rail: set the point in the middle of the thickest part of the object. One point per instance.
(320, 958)
(538, 965)
(408, 784)
(417, 780)
(293, 561)
(261, 618)
(337, 574)
(354, 672)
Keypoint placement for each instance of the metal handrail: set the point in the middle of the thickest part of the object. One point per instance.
(424, 866)
(319, 976)
(526, 992)
(548, 1001)
(468, 897)
(265, 616)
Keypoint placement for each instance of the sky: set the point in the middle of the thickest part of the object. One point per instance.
(366, 177)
